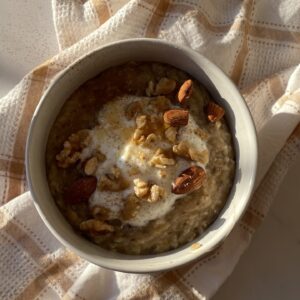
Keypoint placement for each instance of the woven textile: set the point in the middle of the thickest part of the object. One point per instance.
(257, 43)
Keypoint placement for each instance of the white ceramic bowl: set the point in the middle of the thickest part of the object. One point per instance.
(222, 90)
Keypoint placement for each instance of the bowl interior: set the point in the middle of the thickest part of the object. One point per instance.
(223, 91)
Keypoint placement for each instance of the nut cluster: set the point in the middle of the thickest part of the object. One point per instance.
(165, 86)
(145, 127)
(113, 181)
(150, 192)
(141, 188)
(160, 160)
(72, 148)
(185, 150)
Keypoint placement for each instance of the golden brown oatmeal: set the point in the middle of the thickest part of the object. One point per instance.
(140, 159)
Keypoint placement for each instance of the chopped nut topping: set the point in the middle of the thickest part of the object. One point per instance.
(90, 166)
(138, 135)
(65, 158)
(116, 172)
(100, 212)
(106, 184)
(80, 139)
(181, 149)
(142, 128)
(156, 193)
(144, 131)
(161, 103)
(72, 148)
(185, 150)
(100, 156)
(113, 181)
(159, 160)
(141, 121)
(150, 90)
(165, 86)
(151, 138)
(133, 110)
(95, 225)
(131, 207)
(171, 133)
(141, 188)
(162, 173)
(140, 183)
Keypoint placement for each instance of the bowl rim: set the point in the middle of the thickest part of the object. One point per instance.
(131, 266)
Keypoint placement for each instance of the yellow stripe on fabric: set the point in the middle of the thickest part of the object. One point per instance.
(274, 34)
(22, 238)
(16, 168)
(158, 16)
(54, 275)
(33, 96)
(276, 87)
(102, 10)
(258, 31)
(251, 219)
(244, 50)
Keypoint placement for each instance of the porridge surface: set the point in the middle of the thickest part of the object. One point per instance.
(133, 159)
(116, 159)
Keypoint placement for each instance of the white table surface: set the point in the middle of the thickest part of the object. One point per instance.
(270, 268)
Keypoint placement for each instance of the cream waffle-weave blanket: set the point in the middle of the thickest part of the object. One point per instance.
(256, 42)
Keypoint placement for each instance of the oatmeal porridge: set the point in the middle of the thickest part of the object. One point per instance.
(140, 159)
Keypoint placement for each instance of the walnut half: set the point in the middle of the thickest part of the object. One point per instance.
(156, 193)
(141, 188)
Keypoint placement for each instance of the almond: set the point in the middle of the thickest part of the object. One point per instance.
(176, 117)
(189, 180)
(185, 91)
(81, 190)
(214, 112)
